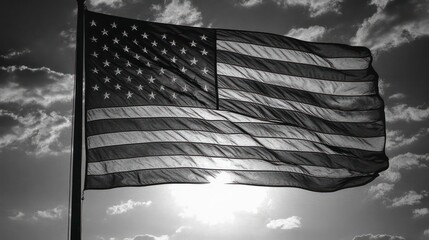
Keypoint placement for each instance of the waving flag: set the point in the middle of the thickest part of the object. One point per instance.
(176, 104)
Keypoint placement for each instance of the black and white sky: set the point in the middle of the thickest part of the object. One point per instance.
(37, 47)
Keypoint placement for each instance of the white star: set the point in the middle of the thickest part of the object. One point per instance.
(173, 43)
(113, 25)
(95, 87)
(204, 70)
(93, 23)
(105, 48)
(137, 56)
(206, 88)
(193, 44)
(139, 71)
(174, 95)
(183, 69)
(118, 71)
(144, 35)
(155, 58)
(129, 94)
(94, 39)
(126, 49)
(151, 79)
(194, 61)
(183, 51)
(133, 27)
(95, 70)
(173, 79)
(185, 88)
(203, 37)
(204, 52)
(154, 43)
(94, 54)
(164, 36)
(117, 55)
(128, 79)
(161, 88)
(115, 41)
(164, 51)
(118, 87)
(135, 42)
(124, 33)
(128, 64)
(161, 71)
(106, 95)
(140, 87)
(144, 50)
(174, 59)
(151, 95)
(148, 64)
(106, 63)
(105, 32)
(106, 79)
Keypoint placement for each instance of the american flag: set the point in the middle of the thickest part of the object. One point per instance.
(177, 104)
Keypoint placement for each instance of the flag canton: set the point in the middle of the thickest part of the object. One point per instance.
(131, 62)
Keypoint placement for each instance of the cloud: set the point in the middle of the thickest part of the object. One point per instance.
(420, 212)
(69, 37)
(249, 3)
(15, 53)
(406, 161)
(378, 237)
(397, 139)
(285, 224)
(41, 86)
(182, 228)
(397, 96)
(408, 199)
(403, 112)
(19, 216)
(148, 237)
(51, 214)
(394, 23)
(37, 132)
(108, 3)
(380, 190)
(311, 33)
(316, 7)
(426, 232)
(124, 207)
(177, 12)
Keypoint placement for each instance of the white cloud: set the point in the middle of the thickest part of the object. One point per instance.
(380, 190)
(148, 237)
(420, 212)
(316, 7)
(178, 12)
(408, 199)
(108, 3)
(37, 132)
(391, 27)
(42, 86)
(15, 53)
(403, 112)
(124, 207)
(69, 37)
(426, 232)
(397, 96)
(404, 161)
(19, 216)
(378, 237)
(249, 3)
(182, 228)
(51, 214)
(397, 139)
(286, 224)
(311, 33)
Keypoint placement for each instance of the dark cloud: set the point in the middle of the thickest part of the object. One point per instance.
(378, 237)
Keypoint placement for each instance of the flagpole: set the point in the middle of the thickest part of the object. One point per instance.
(76, 205)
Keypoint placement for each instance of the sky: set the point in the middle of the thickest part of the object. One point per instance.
(37, 47)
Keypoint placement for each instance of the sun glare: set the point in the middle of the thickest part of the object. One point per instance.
(217, 202)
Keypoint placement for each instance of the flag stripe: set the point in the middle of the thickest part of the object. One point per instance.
(327, 50)
(324, 113)
(371, 129)
(296, 69)
(346, 103)
(300, 83)
(362, 161)
(288, 55)
(189, 175)
(252, 129)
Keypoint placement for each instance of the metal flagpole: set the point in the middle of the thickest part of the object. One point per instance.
(75, 229)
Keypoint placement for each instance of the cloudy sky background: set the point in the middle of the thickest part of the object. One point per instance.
(36, 82)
